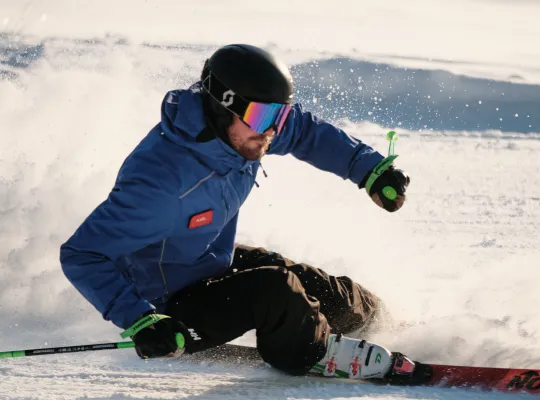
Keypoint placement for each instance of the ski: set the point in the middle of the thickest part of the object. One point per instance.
(404, 372)
(485, 378)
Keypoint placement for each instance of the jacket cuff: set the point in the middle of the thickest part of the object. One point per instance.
(363, 165)
(128, 317)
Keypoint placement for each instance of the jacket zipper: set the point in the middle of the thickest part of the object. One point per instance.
(161, 268)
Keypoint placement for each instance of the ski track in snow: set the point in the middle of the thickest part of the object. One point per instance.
(456, 267)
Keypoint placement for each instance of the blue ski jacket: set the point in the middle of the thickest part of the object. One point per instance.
(170, 219)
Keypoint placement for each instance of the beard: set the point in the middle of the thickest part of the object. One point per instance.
(252, 149)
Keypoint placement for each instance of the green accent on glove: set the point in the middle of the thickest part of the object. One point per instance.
(142, 323)
(180, 341)
(389, 192)
(378, 170)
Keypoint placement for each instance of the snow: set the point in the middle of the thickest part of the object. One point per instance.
(81, 85)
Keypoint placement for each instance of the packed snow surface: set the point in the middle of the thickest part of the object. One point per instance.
(81, 84)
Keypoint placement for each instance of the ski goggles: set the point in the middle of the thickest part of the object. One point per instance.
(258, 116)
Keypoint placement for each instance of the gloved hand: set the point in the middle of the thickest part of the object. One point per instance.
(160, 338)
(391, 178)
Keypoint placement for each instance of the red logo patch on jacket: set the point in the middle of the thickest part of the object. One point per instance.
(204, 218)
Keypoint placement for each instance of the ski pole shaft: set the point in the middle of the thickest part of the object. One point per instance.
(69, 349)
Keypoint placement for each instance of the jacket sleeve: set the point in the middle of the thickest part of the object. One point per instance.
(325, 146)
(138, 212)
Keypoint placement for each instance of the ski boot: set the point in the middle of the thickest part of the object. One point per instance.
(358, 359)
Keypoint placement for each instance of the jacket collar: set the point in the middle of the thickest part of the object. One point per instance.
(183, 120)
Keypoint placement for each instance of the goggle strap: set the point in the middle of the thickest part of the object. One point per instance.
(225, 96)
(235, 103)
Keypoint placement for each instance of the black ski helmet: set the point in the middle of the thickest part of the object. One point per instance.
(252, 73)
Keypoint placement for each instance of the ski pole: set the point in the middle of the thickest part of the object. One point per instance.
(69, 349)
(130, 332)
(388, 191)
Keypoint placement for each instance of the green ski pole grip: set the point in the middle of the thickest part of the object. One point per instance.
(391, 136)
(388, 191)
(147, 321)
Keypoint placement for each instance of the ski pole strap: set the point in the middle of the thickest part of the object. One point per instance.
(142, 323)
(377, 171)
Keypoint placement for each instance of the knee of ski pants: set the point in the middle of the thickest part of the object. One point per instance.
(291, 332)
(353, 308)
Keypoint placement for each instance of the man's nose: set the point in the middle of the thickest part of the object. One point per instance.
(270, 132)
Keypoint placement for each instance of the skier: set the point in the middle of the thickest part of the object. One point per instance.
(158, 256)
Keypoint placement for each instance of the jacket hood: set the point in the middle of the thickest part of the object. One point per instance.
(183, 120)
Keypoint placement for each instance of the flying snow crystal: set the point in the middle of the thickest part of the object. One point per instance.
(43, 18)
(5, 21)
(517, 115)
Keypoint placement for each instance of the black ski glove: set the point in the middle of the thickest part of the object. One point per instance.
(392, 182)
(160, 338)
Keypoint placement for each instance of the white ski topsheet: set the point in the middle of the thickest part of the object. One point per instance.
(458, 265)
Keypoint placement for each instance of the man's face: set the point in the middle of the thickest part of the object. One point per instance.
(248, 143)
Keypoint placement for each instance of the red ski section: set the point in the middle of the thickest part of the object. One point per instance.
(502, 379)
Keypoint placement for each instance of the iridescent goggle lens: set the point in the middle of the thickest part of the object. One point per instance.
(261, 116)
